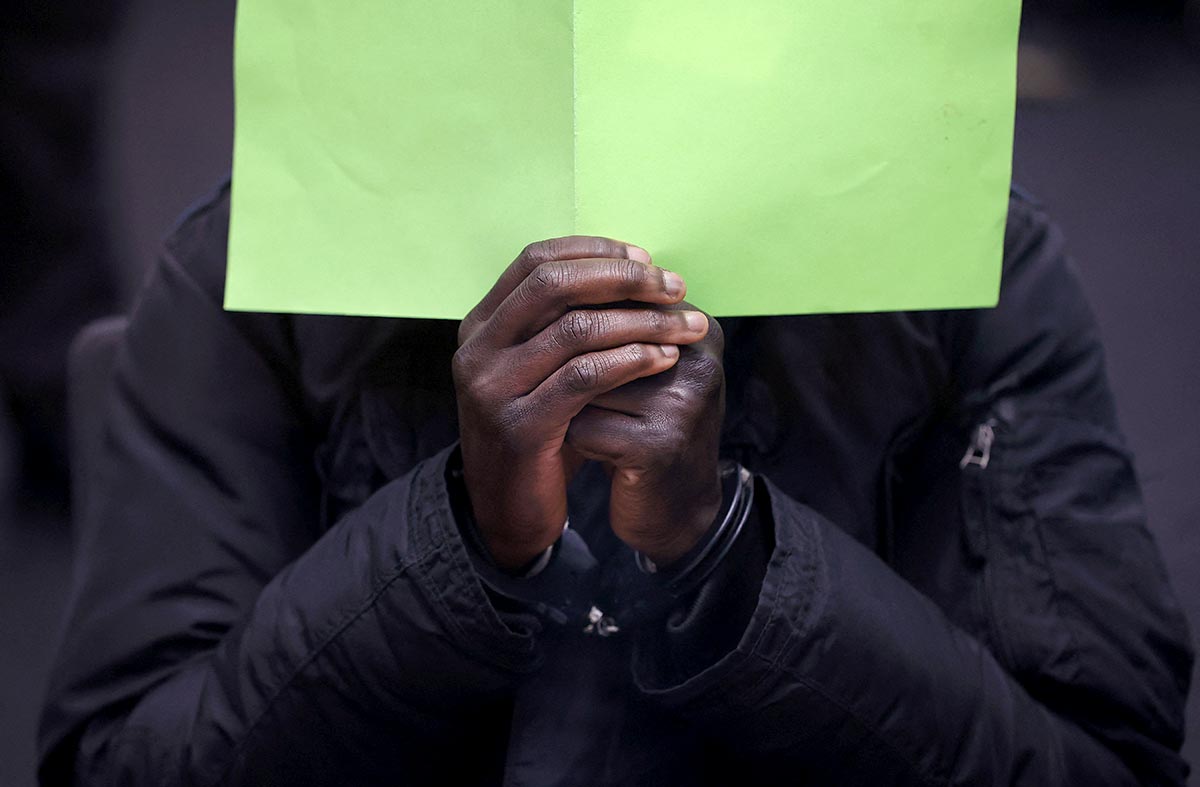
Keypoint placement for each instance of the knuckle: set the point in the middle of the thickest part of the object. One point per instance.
(556, 248)
(638, 355)
(535, 253)
(577, 327)
(706, 368)
(467, 327)
(631, 273)
(475, 394)
(584, 374)
(660, 322)
(590, 246)
(549, 277)
(478, 385)
(568, 247)
(461, 364)
(682, 397)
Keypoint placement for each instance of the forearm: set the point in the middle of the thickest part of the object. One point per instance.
(845, 670)
(375, 647)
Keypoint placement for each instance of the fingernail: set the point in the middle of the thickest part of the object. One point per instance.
(637, 253)
(696, 321)
(673, 284)
(669, 350)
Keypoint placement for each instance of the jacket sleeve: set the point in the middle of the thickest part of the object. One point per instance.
(847, 673)
(215, 635)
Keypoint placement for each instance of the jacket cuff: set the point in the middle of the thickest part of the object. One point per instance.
(712, 619)
(560, 591)
(736, 621)
(452, 586)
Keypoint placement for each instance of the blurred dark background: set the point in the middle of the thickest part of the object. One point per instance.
(116, 114)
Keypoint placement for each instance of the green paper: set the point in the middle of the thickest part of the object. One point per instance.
(392, 157)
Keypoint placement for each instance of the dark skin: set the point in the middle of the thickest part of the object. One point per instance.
(584, 349)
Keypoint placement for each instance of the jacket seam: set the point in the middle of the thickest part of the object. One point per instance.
(809, 573)
(776, 612)
(1025, 487)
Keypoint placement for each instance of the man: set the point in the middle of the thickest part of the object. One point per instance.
(591, 536)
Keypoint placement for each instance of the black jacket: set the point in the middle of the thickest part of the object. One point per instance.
(949, 581)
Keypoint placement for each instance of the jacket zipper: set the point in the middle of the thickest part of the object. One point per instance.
(979, 490)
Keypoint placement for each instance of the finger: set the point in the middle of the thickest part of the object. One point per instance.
(690, 385)
(714, 339)
(575, 247)
(582, 331)
(555, 287)
(631, 398)
(562, 395)
(606, 436)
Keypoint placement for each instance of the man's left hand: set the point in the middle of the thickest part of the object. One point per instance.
(660, 437)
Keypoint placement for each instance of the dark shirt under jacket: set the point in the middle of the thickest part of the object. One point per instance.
(956, 584)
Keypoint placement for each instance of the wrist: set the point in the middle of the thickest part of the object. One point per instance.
(513, 548)
(515, 527)
(693, 520)
(737, 501)
(516, 558)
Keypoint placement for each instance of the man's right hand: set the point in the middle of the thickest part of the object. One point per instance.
(550, 336)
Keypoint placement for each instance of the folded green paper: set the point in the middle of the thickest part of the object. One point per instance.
(392, 156)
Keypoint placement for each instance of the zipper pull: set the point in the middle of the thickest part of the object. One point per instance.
(979, 452)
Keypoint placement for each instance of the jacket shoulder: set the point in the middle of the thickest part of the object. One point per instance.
(199, 241)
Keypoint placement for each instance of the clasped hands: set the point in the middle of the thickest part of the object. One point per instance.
(584, 349)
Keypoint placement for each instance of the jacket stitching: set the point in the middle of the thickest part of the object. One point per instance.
(776, 611)
(434, 519)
